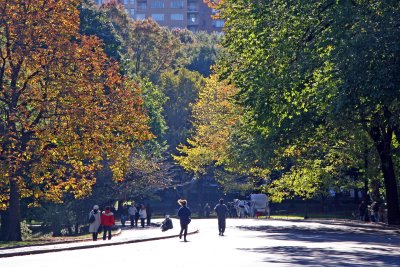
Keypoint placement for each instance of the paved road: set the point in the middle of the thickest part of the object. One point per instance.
(247, 243)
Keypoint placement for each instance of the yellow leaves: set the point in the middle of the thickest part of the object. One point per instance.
(215, 115)
(73, 108)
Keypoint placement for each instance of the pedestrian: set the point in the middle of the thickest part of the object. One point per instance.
(149, 212)
(124, 214)
(374, 211)
(362, 210)
(166, 224)
(94, 221)
(132, 212)
(142, 215)
(107, 221)
(184, 214)
(207, 209)
(222, 211)
(137, 216)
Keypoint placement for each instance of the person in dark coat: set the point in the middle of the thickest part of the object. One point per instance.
(222, 211)
(166, 224)
(149, 211)
(184, 214)
(363, 210)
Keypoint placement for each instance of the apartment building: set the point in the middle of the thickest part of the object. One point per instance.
(194, 15)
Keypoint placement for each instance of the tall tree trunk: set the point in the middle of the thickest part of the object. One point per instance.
(382, 137)
(11, 223)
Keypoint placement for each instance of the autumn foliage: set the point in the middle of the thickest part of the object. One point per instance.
(64, 108)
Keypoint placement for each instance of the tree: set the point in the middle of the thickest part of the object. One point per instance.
(181, 89)
(199, 50)
(64, 108)
(94, 21)
(311, 66)
(214, 115)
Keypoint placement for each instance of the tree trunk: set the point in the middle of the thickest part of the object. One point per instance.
(383, 141)
(11, 223)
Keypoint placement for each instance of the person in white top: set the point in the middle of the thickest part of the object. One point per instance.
(132, 211)
(142, 214)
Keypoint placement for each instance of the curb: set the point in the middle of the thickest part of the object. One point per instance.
(24, 253)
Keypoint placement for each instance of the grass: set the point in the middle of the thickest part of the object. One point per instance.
(45, 239)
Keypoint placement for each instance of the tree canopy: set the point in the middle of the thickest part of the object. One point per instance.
(64, 107)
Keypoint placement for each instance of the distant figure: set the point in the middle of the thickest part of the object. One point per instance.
(123, 214)
(207, 209)
(362, 210)
(107, 221)
(142, 215)
(374, 211)
(137, 216)
(149, 212)
(222, 211)
(94, 224)
(166, 224)
(184, 214)
(132, 212)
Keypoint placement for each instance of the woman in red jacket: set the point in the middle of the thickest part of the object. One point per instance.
(107, 221)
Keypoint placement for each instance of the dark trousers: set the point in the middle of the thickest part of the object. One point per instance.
(106, 229)
(184, 229)
(221, 225)
(132, 219)
(142, 221)
(94, 236)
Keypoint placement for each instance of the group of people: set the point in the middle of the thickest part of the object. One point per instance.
(373, 212)
(105, 220)
(184, 214)
(101, 221)
(134, 213)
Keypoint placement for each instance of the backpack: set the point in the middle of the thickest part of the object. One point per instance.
(92, 218)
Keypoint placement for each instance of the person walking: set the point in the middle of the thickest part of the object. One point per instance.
(94, 222)
(137, 216)
(142, 215)
(363, 210)
(132, 212)
(123, 214)
(149, 213)
(222, 210)
(107, 221)
(184, 214)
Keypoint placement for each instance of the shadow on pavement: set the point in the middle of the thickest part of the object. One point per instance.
(384, 248)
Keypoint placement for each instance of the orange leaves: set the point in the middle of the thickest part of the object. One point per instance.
(64, 107)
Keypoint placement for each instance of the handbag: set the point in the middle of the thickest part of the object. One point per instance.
(92, 218)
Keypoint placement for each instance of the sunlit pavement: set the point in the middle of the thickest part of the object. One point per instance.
(247, 242)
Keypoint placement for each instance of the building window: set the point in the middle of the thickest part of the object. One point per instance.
(219, 23)
(132, 12)
(140, 16)
(158, 17)
(142, 6)
(176, 16)
(192, 18)
(192, 7)
(132, 2)
(157, 4)
(177, 4)
(126, 2)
